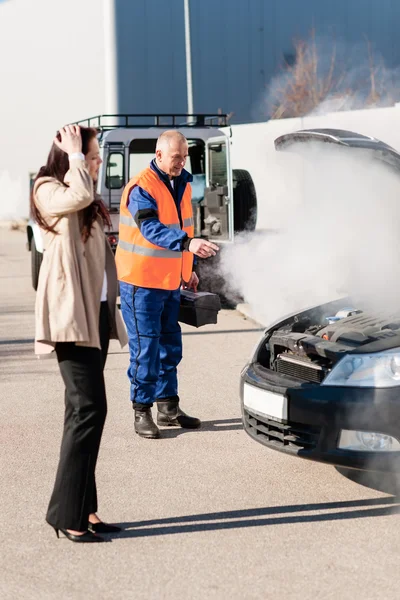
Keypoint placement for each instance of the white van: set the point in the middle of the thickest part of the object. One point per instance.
(224, 199)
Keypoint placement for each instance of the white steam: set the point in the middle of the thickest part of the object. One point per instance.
(343, 239)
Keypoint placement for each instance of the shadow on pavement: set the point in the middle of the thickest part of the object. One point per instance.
(216, 332)
(220, 426)
(255, 517)
(12, 342)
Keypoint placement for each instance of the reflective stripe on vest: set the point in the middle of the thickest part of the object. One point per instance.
(132, 223)
(149, 251)
(142, 263)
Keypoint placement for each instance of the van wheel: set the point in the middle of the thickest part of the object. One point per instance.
(244, 201)
(36, 261)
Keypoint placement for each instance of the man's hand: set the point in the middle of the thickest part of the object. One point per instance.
(202, 248)
(192, 283)
(71, 139)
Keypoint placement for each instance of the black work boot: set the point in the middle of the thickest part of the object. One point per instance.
(170, 414)
(144, 424)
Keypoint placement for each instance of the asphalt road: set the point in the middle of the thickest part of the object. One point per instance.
(207, 514)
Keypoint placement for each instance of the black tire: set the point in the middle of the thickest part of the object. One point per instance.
(244, 201)
(36, 261)
(389, 483)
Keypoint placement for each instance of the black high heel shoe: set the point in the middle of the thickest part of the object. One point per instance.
(103, 528)
(86, 537)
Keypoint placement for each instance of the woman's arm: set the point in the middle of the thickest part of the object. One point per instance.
(55, 200)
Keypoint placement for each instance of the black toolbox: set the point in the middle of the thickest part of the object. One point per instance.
(199, 308)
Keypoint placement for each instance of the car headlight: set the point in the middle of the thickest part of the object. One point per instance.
(367, 441)
(381, 369)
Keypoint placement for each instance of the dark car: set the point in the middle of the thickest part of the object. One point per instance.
(324, 384)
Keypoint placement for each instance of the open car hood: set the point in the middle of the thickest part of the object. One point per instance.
(340, 137)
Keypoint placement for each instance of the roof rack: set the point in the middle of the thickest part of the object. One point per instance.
(129, 121)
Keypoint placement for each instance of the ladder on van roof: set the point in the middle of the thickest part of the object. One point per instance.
(131, 121)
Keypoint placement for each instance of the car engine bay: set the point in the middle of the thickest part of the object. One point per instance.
(308, 345)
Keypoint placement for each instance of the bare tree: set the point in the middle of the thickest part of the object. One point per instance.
(313, 79)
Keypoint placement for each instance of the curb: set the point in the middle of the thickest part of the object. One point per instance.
(245, 310)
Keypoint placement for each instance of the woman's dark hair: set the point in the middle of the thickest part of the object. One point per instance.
(57, 166)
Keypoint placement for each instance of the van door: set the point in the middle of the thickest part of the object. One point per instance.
(218, 197)
(113, 178)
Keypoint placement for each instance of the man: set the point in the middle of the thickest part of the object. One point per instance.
(154, 258)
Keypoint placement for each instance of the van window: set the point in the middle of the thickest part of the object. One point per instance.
(142, 152)
(218, 164)
(115, 171)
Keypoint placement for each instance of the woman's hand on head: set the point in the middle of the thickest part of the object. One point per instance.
(71, 139)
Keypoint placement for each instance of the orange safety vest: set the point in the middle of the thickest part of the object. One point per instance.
(142, 263)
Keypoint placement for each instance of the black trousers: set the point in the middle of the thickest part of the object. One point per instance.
(75, 496)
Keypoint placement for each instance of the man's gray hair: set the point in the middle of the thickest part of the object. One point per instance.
(168, 136)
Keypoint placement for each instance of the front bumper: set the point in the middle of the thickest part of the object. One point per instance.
(314, 416)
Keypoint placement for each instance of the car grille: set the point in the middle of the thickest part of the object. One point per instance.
(291, 436)
(301, 369)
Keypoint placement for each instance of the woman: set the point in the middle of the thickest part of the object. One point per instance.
(76, 315)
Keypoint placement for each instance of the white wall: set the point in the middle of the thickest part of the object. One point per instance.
(278, 175)
(52, 71)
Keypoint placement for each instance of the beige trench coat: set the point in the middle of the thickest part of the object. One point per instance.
(71, 275)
